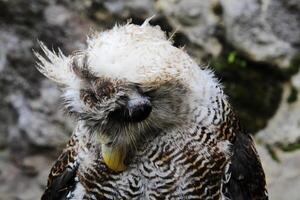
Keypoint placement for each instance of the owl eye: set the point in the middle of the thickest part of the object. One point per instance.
(88, 97)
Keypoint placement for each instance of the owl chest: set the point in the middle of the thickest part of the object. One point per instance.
(161, 172)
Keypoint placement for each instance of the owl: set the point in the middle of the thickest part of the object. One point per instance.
(151, 124)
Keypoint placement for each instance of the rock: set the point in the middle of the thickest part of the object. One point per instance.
(7, 42)
(131, 8)
(283, 178)
(15, 184)
(196, 20)
(281, 162)
(265, 31)
(36, 164)
(29, 106)
(30, 115)
(283, 128)
(57, 15)
(40, 127)
(43, 176)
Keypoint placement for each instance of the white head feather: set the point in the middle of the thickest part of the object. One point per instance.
(135, 53)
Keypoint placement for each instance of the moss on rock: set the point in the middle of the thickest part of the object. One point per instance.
(289, 147)
(254, 89)
(293, 96)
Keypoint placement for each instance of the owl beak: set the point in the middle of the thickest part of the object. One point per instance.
(114, 156)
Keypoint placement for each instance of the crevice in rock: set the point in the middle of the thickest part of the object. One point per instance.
(254, 88)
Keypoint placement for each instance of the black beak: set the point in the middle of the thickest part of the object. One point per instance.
(135, 110)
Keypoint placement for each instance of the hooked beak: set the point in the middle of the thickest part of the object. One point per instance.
(113, 155)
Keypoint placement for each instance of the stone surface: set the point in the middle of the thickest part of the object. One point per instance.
(283, 177)
(284, 127)
(18, 180)
(37, 122)
(32, 127)
(266, 31)
(282, 136)
(131, 8)
(196, 20)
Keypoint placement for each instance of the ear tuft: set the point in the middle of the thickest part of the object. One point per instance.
(55, 66)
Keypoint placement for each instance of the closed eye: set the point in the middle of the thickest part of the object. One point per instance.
(142, 89)
(150, 93)
(147, 91)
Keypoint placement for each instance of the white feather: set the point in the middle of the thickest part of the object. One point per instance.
(55, 66)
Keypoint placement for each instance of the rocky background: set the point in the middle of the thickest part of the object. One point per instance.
(252, 45)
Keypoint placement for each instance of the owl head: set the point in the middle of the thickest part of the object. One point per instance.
(129, 85)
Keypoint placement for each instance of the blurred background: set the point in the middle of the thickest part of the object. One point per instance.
(252, 45)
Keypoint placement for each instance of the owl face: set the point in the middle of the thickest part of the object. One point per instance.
(104, 99)
(121, 110)
(129, 85)
(124, 113)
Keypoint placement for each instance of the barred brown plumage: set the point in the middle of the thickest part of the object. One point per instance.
(151, 124)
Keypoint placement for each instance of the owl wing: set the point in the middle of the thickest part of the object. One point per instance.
(247, 178)
(61, 179)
